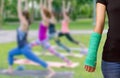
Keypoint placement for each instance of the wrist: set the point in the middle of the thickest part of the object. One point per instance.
(93, 49)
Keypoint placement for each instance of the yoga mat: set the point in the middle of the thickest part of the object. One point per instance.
(51, 64)
(37, 73)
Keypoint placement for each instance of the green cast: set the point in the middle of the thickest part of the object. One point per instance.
(93, 48)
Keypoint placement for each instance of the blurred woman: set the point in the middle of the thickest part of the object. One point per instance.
(65, 27)
(52, 33)
(23, 47)
(43, 39)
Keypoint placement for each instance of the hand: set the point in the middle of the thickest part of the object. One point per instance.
(89, 68)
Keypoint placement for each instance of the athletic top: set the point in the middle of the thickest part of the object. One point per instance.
(21, 38)
(42, 32)
(65, 27)
(52, 28)
(111, 51)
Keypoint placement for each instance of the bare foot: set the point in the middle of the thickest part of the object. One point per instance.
(67, 61)
(9, 71)
(72, 65)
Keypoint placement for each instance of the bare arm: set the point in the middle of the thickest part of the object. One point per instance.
(19, 9)
(45, 4)
(26, 4)
(53, 20)
(50, 5)
(20, 15)
(63, 6)
(100, 19)
(68, 7)
(41, 10)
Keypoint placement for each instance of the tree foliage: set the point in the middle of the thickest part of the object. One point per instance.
(79, 8)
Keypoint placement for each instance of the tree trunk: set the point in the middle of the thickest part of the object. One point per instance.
(1, 12)
(32, 12)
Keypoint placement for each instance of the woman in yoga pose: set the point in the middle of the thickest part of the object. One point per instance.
(52, 29)
(23, 47)
(43, 39)
(65, 29)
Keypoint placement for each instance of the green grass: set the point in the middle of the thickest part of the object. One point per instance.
(82, 24)
(76, 25)
(79, 71)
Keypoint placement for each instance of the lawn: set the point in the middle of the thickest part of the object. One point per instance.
(82, 24)
(79, 71)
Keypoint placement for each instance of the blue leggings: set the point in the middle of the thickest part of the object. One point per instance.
(26, 51)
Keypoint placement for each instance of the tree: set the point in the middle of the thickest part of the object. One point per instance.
(1, 12)
(79, 9)
(32, 12)
(10, 9)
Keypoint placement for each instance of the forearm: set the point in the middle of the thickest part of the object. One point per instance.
(93, 49)
(19, 9)
(26, 4)
(19, 5)
(63, 6)
(45, 4)
(68, 7)
(50, 6)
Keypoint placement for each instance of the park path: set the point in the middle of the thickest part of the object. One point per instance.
(7, 36)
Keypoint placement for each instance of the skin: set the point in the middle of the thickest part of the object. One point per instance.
(100, 19)
(64, 10)
(43, 6)
(23, 22)
(52, 20)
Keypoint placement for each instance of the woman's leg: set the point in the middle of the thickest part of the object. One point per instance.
(58, 42)
(60, 34)
(69, 37)
(111, 69)
(51, 36)
(54, 52)
(31, 56)
(35, 43)
(11, 55)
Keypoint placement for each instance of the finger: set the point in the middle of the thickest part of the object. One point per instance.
(87, 68)
(92, 69)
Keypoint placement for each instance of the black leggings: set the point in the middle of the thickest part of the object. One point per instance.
(68, 36)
